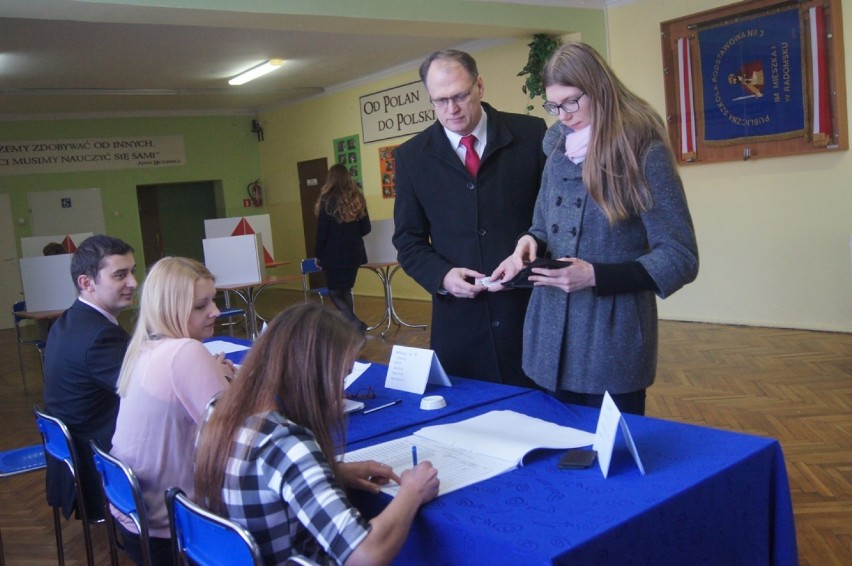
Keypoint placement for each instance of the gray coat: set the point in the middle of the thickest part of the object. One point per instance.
(587, 343)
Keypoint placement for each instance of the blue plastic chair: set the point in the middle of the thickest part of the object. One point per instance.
(57, 442)
(309, 266)
(37, 342)
(120, 487)
(22, 460)
(228, 313)
(205, 538)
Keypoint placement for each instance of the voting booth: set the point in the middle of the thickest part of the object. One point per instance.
(244, 226)
(235, 260)
(378, 242)
(34, 246)
(47, 282)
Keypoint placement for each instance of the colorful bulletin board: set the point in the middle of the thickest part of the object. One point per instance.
(347, 151)
(387, 171)
(755, 79)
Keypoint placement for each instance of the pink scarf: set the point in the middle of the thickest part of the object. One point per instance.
(576, 144)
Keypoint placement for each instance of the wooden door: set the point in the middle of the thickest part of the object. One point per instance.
(311, 179)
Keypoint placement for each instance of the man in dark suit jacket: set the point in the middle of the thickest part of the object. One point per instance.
(454, 226)
(82, 359)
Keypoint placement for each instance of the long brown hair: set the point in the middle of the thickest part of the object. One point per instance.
(622, 127)
(296, 367)
(340, 196)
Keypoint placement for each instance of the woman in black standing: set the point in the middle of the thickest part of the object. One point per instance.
(342, 223)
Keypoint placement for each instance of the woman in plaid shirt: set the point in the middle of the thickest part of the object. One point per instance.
(278, 476)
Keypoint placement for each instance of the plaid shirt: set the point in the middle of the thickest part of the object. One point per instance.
(279, 485)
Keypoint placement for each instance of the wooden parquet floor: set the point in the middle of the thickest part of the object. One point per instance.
(792, 385)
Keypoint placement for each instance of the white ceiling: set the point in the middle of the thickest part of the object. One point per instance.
(79, 57)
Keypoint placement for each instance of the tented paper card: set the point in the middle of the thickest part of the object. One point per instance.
(410, 369)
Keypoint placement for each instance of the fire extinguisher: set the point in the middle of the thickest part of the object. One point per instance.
(255, 193)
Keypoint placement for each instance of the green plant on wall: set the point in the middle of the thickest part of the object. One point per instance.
(541, 48)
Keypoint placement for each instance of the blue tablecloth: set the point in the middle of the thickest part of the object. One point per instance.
(709, 497)
(465, 394)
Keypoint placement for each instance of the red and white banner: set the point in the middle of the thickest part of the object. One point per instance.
(819, 77)
(686, 99)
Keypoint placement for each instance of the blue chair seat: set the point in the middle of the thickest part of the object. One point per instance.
(22, 460)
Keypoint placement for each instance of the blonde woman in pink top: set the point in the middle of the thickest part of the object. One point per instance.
(166, 381)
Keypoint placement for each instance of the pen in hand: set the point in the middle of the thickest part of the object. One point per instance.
(414, 456)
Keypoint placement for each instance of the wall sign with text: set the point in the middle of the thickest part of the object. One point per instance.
(399, 111)
(90, 154)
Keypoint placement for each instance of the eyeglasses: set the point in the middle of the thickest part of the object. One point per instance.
(442, 103)
(361, 394)
(569, 106)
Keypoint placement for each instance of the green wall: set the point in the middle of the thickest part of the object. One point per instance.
(218, 148)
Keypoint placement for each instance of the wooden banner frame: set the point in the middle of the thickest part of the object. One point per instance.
(691, 148)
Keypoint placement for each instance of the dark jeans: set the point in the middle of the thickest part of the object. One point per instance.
(161, 548)
(633, 403)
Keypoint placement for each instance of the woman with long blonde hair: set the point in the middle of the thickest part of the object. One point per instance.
(611, 205)
(166, 380)
(266, 455)
(342, 223)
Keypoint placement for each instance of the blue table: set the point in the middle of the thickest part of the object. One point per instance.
(463, 395)
(709, 497)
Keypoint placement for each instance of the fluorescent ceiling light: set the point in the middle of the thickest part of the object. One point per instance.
(256, 72)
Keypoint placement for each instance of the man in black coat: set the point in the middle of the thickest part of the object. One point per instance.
(82, 359)
(455, 219)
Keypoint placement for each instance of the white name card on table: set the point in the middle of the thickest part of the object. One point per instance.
(608, 424)
(235, 260)
(410, 369)
(47, 282)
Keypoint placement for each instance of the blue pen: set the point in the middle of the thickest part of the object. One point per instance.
(414, 455)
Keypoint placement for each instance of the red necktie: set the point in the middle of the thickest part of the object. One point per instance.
(471, 158)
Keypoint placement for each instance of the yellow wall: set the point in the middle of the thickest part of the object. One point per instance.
(305, 131)
(773, 234)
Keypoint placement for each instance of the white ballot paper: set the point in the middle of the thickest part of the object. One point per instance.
(351, 405)
(410, 369)
(224, 347)
(475, 449)
(608, 423)
(357, 370)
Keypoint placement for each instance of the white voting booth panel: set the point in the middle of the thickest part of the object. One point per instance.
(34, 246)
(241, 226)
(378, 242)
(235, 260)
(47, 282)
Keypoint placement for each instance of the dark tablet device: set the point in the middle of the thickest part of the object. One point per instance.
(522, 279)
(577, 459)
